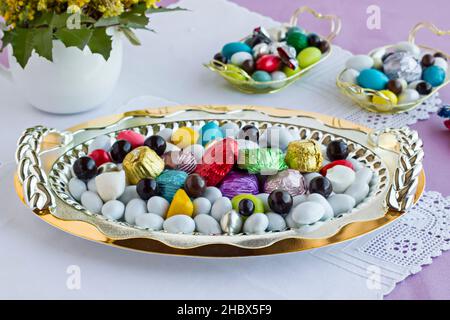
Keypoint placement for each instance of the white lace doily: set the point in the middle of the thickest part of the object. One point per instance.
(401, 249)
(379, 121)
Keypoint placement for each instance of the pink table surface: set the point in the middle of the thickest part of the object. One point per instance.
(397, 18)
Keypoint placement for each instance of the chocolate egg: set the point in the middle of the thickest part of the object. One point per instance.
(408, 95)
(308, 56)
(321, 185)
(280, 201)
(194, 185)
(85, 168)
(337, 150)
(119, 150)
(147, 188)
(239, 57)
(427, 60)
(434, 75)
(209, 132)
(395, 86)
(424, 88)
(268, 63)
(246, 207)
(231, 48)
(249, 132)
(297, 40)
(157, 144)
(372, 79)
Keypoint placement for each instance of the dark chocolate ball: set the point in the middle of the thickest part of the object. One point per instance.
(156, 143)
(314, 40)
(249, 132)
(424, 88)
(280, 201)
(321, 185)
(219, 57)
(246, 207)
(195, 185)
(337, 150)
(119, 150)
(395, 86)
(427, 60)
(324, 46)
(248, 66)
(85, 168)
(440, 55)
(147, 188)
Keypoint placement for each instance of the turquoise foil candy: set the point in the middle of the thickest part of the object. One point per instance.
(169, 182)
(209, 132)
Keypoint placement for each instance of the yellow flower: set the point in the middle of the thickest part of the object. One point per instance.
(73, 9)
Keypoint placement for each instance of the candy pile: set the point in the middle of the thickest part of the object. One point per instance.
(444, 112)
(265, 56)
(402, 74)
(219, 180)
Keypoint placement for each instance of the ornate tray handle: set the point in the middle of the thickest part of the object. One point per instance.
(29, 170)
(429, 26)
(400, 196)
(335, 21)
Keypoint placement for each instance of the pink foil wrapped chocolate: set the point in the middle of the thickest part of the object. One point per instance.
(237, 182)
(180, 160)
(288, 180)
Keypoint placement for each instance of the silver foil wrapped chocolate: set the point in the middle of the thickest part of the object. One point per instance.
(402, 65)
(289, 180)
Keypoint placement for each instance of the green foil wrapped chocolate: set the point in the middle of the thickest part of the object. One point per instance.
(265, 161)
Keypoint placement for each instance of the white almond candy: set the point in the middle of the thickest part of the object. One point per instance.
(197, 151)
(179, 223)
(341, 203)
(166, 134)
(310, 176)
(408, 95)
(133, 209)
(409, 47)
(264, 197)
(158, 205)
(100, 142)
(358, 190)
(110, 185)
(206, 224)
(440, 62)
(129, 194)
(296, 200)
(276, 137)
(341, 177)
(357, 165)
(291, 223)
(171, 147)
(220, 207)
(360, 62)
(257, 223)
(91, 185)
(310, 228)
(349, 76)
(239, 57)
(230, 129)
(276, 222)
(308, 212)
(364, 175)
(76, 188)
(375, 179)
(113, 209)
(150, 221)
(92, 202)
(212, 194)
(315, 197)
(201, 206)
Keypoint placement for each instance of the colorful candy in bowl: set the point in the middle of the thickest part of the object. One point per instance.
(269, 60)
(396, 78)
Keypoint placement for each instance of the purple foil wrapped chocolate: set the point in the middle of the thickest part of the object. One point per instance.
(239, 182)
(288, 180)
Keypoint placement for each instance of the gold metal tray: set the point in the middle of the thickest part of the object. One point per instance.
(44, 157)
(363, 96)
(251, 86)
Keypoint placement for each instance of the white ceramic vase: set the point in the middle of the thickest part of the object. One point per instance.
(75, 81)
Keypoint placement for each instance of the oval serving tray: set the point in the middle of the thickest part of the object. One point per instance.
(363, 96)
(251, 86)
(45, 156)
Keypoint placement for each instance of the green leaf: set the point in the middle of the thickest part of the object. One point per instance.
(43, 42)
(60, 20)
(22, 43)
(7, 38)
(107, 22)
(100, 42)
(42, 19)
(131, 36)
(74, 37)
(162, 9)
(134, 21)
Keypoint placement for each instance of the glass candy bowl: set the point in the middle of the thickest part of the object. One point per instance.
(45, 158)
(242, 81)
(363, 96)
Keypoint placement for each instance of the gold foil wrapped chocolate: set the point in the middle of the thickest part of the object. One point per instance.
(304, 155)
(141, 163)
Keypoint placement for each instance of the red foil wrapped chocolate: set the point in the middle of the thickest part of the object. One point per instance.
(217, 161)
(136, 139)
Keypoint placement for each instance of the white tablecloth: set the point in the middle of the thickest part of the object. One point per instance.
(35, 259)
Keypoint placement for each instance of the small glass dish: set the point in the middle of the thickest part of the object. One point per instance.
(363, 96)
(242, 81)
